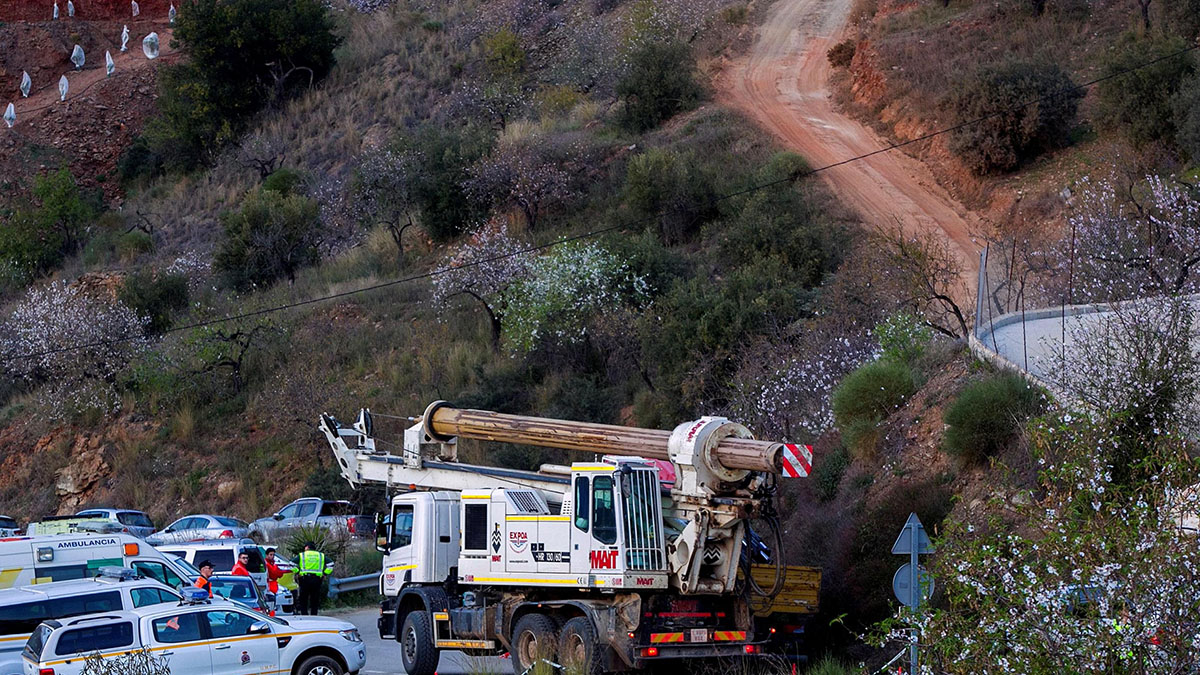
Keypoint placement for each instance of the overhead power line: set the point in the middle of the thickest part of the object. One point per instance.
(792, 177)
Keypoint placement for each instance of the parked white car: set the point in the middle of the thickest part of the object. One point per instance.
(199, 637)
(199, 527)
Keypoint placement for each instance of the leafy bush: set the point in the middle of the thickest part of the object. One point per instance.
(155, 297)
(902, 337)
(446, 155)
(272, 237)
(661, 184)
(659, 83)
(987, 415)
(1138, 104)
(1008, 135)
(828, 472)
(841, 54)
(243, 55)
(1186, 109)
(283, 181)
(503, 53)
(867, 396)
(1183, 17)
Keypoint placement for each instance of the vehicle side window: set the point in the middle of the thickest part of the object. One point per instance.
(95, 638)
(151, 596)
(289, 511)
(184, 524)
(222, 559)
(109, 601)
(402, 526)
(306, 509)
(134, 519)
(604, 528)
(581, 501)
(228, 624)
(159, 572)
(177, 628)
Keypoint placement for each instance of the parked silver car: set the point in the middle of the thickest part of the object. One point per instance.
(199, 527)
(134, 522)
(336, 516)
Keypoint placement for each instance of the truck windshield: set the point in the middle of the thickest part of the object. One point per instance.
(641, 520)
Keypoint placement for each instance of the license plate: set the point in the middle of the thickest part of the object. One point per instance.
(699, 635)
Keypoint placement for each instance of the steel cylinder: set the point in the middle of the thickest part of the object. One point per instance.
(442, 421)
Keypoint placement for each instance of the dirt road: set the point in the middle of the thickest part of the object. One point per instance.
(782, 83)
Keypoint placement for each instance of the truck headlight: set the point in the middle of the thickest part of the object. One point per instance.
(351, 635)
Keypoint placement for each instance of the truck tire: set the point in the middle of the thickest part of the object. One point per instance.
(534, 639)
(579, 649)
(417, 653)
(320, 665)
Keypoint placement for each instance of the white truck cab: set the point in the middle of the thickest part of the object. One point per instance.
(198, 637)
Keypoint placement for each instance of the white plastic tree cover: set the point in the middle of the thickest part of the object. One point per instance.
(26, 84)
(125, 39)
(109, 66)
(70, 8)
(10, 116)
(171, 14)
(77, 57)
(56, 10)
(63, 87)
(150, 46)
(136, 10)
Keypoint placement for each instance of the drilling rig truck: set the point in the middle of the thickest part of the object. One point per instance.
(596, 567)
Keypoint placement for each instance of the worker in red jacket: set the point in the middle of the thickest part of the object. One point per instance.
(239, 568)
(274, 573)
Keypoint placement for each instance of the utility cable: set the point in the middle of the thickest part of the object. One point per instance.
(791, 177)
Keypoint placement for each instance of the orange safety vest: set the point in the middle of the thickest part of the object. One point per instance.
(201, 582)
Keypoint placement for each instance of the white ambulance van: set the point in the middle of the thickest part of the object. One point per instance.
(34, 560)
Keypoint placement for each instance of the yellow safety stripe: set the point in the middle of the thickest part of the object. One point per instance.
(465, 644)
(538, 518)
(657, 638)
(9, 577)
(441, 616)
(401, 568)
(198, 643)
(13, 638)
(476, 496)
(506, 580)
(729, 635)
(602, 467)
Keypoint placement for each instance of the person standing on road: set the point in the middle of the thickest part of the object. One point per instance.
(202, 581)
(274, 573)
(239, 567)
(311, 568)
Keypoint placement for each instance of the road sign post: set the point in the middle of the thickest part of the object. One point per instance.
(912, 584)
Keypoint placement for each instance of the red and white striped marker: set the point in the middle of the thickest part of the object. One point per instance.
(797, 460)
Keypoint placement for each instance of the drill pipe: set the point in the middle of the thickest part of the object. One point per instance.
(605, 439)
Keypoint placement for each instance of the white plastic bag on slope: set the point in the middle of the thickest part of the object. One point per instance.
(109, 66)
(125, 39)
(150, 46)
(63, 87)
(10, 116)
(136, 10)
(70, 8)
(26, 84)
(171, 14)
(77, 57)
(56, 10)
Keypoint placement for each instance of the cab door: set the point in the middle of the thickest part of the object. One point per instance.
(235, 648)
(179, 637)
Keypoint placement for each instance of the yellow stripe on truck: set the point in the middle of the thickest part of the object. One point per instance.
(659, 638)
(9, 577)
(729, 635)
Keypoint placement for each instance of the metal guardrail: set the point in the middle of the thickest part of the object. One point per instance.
(359, 583)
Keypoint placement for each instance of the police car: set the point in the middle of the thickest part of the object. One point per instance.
(198, 636)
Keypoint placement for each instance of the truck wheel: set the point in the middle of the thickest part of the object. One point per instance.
(535, 639)
(579, 650)
(417, 653)
(320, 665)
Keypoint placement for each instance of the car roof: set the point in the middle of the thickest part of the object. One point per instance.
(211, 543)
(73, 586)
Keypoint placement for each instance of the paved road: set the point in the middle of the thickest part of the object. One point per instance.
(383, 656)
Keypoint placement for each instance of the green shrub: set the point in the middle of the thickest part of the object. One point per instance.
(841, 54)
(446, 155)
(131, 244)
(902, 337)
(1186, 109)
(272, 237)
(1183, 17)
(283, 181)
(35, 239)
(659, 83)
(672, 190)
(828, 472)
(987, 415)
(867, 396)
(503, 53)
(830, 666)
(1007, 135)
(1138, 104)
(156, 297)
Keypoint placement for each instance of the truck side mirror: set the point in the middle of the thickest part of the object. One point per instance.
(382, 536)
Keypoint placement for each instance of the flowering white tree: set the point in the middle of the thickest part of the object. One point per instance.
(563, 290)
(72, 345)
(483, 268)
(516, 175)
(1131, 241)
(387, 189)
(1093, 577)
